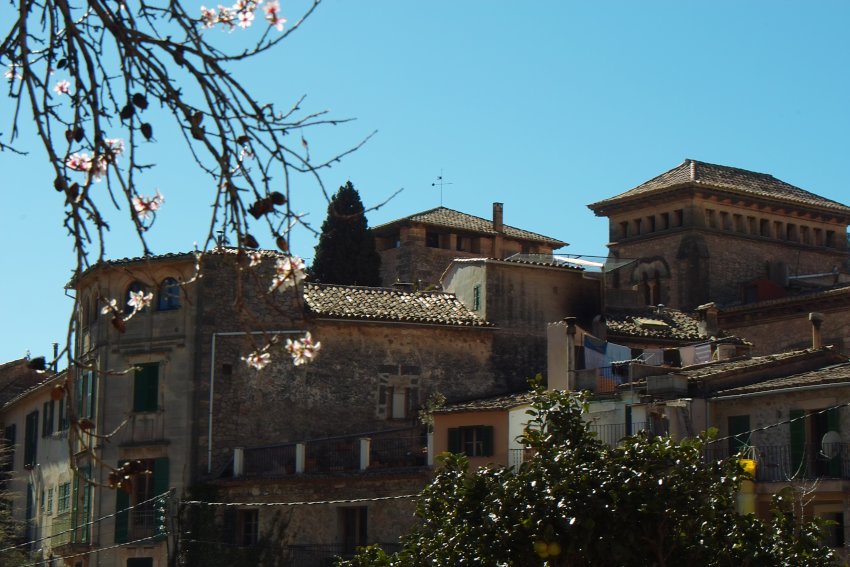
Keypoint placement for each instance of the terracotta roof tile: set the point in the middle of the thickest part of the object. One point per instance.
(659, 323)
(692, 172)
(449, 218)
(382, 304)
(489, 404)
(836, 374)
(716, 369)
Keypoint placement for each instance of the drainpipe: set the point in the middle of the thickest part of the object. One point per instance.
(816, 319)
(212, 378)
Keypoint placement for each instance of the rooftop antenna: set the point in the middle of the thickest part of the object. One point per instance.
(441, 182)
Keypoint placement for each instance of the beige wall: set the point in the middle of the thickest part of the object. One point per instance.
(498, 419)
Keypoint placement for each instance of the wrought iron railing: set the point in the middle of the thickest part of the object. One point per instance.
(612, 433)
(395, 448)
(782, 463)
(60, 530)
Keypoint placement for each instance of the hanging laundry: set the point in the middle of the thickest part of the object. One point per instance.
(653, 356)
(688, 354)
(702, 353)
(594, 352)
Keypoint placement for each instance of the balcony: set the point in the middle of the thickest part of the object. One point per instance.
(781, 463)
(144, 428)
(399, 448)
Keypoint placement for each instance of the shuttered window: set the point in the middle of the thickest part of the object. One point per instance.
(474, 441)
(146, 388)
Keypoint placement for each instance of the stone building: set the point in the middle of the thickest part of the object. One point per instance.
(416, 249)
(167, 387)
(683, 226)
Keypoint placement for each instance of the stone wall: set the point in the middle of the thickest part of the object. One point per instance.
(789, 331)
(345, 390)
(712, 265)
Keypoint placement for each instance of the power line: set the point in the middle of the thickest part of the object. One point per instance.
(69, 530)
(304, 503)
(90, 552)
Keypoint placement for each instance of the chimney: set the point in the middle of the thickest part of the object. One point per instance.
(560, 360)
(498, 225)
(707, 319)
(816, 319)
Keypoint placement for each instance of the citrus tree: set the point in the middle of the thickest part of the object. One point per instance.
(648, 501)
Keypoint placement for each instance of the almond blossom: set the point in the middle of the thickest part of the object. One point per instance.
(208, 17)
(62, 87)
(115, 145)
(245, 19)
(255, 258)
(257, 359)
(273, 17)
(289, 272)
(139, 300)
(147, 206)
(79, 162)
(110, 307)
(303, 350)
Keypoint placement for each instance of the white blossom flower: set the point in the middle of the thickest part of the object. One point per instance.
(273, 17)
(257, 359)
(146, 206)
(116, 145)
(62, 87)
(78, 162)
(303, 350)
(139, 300)
(255, 258)
(98, 168)
(246, 17)
(289, 272)
(111, 306)
(209, 17)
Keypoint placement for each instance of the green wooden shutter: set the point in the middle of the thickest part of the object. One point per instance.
(798, 441)
(487, 440)
(454, 440)
(31, 438)
(122, 519)
(90, 396)
(146, 388)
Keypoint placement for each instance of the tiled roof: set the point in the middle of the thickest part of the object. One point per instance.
(664, 323)
(449, 218)
(807, 297)
(715, 369)
(489, 404)
(835, 374)
(692, 172)
(42, 380)
(382, 304)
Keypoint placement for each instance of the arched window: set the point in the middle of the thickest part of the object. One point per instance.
(169, 295)
(134, 287)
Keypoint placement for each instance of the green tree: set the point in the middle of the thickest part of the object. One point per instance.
(346, 251)
(580, 502)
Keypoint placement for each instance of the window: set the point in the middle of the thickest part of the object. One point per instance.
(474, 441)
(146, 388)
(41, 502)
(711, 218)
(476, 297)
(432, 239)
(62, 424)
(751, 225)
(679, 217)
(140, 562)
(353, 528)
(764, 227)
(665, 221)
(49, 501)
(47, 419)
(169, 295)
(624, 229)
(650, 224)
(141, 521)
(86, 395)
(725, 221)
(134, 287)
(739, 223)
(739, 432)
(63, 500)
(399, 402)
(247, 527)
(31, 439)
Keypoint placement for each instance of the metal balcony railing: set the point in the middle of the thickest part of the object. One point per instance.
(60, 533)
(396, 448)
(782, 463)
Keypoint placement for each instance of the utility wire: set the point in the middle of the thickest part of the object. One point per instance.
(69, 530)
(305, 503)
(90, 552)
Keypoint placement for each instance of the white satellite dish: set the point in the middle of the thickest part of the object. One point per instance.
(830, 445)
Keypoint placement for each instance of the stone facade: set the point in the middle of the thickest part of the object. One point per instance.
(417, 249)
(702, 232)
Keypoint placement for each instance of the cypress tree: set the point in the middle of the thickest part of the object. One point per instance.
(346, 251)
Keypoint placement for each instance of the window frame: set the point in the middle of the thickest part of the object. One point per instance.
(478, 438)
(146, 387)
(168, 295)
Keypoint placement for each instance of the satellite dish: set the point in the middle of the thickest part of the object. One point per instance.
(830, 445)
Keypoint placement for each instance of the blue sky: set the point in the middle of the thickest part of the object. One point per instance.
(545, 106)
